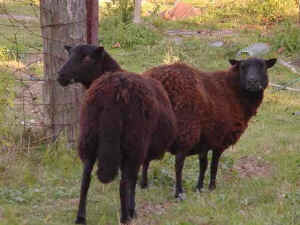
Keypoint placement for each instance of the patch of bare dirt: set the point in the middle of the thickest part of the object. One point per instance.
(158, 209)
(144, 210)
(180, 11)
(251, 166)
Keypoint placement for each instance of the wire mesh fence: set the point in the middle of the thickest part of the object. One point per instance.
(35, 100)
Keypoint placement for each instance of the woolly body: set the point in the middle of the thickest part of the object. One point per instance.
(146, 118)
(212, 109)
(125, 120)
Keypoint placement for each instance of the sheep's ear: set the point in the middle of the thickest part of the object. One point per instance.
(270, 62)
(98, 53)
(234, 62)
(68, 48)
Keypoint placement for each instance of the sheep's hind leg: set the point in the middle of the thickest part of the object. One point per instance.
(144, 181)
(85, 183)
(132, 186)
(202, 168)
(180, 157)
(124, 198)
(214, 168)
(127, 191)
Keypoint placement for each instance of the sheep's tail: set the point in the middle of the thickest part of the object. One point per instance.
(109, 152)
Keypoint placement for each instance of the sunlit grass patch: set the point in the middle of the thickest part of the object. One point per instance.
(20, 7)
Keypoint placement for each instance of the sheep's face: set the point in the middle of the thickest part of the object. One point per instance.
(84, 65)
(253, 73)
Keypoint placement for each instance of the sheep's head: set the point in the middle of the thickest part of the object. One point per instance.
(253, 73)
(85, 64)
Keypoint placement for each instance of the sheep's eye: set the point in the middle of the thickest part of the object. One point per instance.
(85, 58)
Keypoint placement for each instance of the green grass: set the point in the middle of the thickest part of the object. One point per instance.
(19, 7)
(19, 37)
(229, 13)
(40, 184)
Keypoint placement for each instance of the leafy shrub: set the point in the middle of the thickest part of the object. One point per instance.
(270, 11)
(288, 38)
(123, 8)
(252, 11)
(6, 54)
(113, 31)
(13, 52)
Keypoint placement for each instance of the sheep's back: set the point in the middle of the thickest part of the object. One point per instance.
(207, 106)
(143, 103)
(181, 84)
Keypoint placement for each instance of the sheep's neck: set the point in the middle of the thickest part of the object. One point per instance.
(107, 65)
(249, 101)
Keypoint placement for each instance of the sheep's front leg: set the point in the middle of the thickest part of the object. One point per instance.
(144, 181)
(180, 157)
(202, 168)
(214, 168)
(85, 184)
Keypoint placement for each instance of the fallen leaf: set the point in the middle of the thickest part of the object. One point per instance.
(280, 50)
(117, 45)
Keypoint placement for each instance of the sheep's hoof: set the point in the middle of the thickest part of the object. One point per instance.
(180, 196)
(80, 220)
(128, 223)
(212, 187)
(144, 185)
(125, 220)
(199, 190)
(132, 213)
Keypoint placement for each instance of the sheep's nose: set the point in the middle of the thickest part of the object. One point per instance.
(253, 81)
(254, 85)
(61, 80)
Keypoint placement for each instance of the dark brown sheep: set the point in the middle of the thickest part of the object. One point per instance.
(125, 120)
(212, 109)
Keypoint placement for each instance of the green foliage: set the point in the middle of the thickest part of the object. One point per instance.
(287, 37)
(6, 54)
(113, 31)
(123, 8)
(7, 96)
(234, 13)
(270, 11)
(256, 11)
(13, 52)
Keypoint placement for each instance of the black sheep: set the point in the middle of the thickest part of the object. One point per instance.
(212, 109)
(125, 120)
